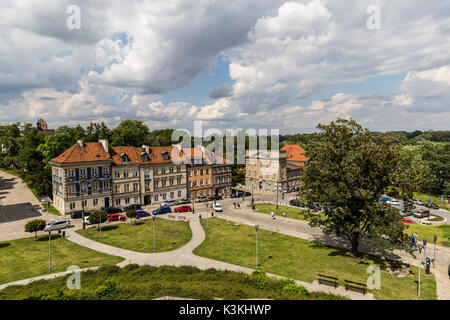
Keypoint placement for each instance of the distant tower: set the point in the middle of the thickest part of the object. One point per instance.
(41, 125)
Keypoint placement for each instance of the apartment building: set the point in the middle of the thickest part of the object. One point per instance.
(93, 175)
(264, 171)
(199, 173)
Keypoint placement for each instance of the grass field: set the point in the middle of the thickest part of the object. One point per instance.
(298, 259)
(146, 282)
(293, 213)
(170, 235)
(435, 199)
(26, 258)
(428, 232)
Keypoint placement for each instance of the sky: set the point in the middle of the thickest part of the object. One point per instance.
(235, 64)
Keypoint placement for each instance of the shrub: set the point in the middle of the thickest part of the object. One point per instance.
(107, 290)
(292, 288)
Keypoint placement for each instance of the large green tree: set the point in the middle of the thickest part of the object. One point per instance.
(346, 174)
(435, 157)
(129, 133)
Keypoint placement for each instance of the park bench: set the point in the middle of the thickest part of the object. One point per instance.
(356, 286)
(331, 281)
(170, 216)
(181, 218)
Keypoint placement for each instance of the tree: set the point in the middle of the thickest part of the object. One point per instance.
(131, 214)
(436, 158)
(97, 131)
(346, 174)
(129, 133)
(97, 217)
(159, 138)
(35, 226)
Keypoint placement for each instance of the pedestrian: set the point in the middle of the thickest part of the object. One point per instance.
(273, 215)
(234, 204)
(413, 241)
(239, 206)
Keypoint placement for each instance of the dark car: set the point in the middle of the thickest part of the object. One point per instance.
(162, 210)
(78, 214)
(142, 213)
(183, 209)
(296, 203)
(111, 210)
(216, 197)
(132, 207)
(434, 206)
(313, 206)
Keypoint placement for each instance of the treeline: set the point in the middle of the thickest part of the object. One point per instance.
(26, 151)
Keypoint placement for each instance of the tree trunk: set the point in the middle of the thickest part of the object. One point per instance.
(355, 244)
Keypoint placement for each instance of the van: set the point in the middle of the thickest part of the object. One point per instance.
(57, 225)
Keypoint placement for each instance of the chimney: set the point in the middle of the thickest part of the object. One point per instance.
(80, 142)
(147, 149)
(104, 142)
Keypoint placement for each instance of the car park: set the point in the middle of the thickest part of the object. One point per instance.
(133, 207)
(183, 209)
(116, 217)
(162, 210)
(217, 207)
(408, 220)
(57, 225)
(142, 213)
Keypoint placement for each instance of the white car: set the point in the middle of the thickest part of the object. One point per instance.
(217, 207)
(57, 225)
(393, 202)
(428, 223)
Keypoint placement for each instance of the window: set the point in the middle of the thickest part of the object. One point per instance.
(156, 184)
(190, 183)
(136, 173)
(171, 181)
(71, 173)
(72, 205)
(201, 182)
(207, 171)
(83, 187)
(117, 189)
(95, 186)
(71, 188)
(201, 172)
(105, 184)
(172, 195)
(178, 180)
(195, 173)
(117, 174)
(136, 199)
(125, 174)
(163, 183)
(171, 169)
(127, 200)
(155, 197)
(94, 171)
(95, 202)
(106, 170)
(84, 204)
(117, 202)
(127, 188)
(135, 186)
(189, 173)
(163, 170)
(178, 168)
(164, 196)
(83, 172)
(179, 194)
(195, 183)
(207, 181)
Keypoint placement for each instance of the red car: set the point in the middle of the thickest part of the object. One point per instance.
(116, 217)
(407, 220)
(183, 209)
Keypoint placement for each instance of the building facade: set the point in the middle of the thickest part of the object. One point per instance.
(92, 176)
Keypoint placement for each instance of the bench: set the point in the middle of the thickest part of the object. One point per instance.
(181, 218)
(356, 286)
(331, 281)
(171, 216)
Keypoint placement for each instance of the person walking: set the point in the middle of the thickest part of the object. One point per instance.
(413, 241)
(273, 215)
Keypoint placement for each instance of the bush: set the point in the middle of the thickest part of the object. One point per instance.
(108, 289)
(292, 288)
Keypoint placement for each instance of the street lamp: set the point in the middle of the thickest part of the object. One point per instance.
(256, 228)
(154, 239)
(49, 250)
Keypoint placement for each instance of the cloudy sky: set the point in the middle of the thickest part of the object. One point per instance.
(231, 63)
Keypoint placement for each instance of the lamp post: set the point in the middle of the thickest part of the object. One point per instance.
(82, 208)
(256, 228)
(49, 251)
(154, 239)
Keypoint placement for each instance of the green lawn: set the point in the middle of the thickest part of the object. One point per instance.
(298, 259)
(442, 231)
(435, 199)
(293, 213)
(146, 282)
(170, 235)
(26, 258)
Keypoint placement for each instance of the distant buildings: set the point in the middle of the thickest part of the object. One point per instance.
(93, 175)
(265, 170)
(41, 126)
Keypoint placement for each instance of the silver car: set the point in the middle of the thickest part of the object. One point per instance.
(57, 225)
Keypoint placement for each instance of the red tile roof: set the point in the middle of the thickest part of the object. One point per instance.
(91, 151)
(295, 153)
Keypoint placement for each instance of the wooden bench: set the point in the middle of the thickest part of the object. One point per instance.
(331, 281)
(356, 286)
(171, 216)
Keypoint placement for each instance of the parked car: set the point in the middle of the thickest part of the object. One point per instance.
(111, 210)
(215, 197)
(217, 207)
(183, 209)
(172, 202)
(313, 206)
(408, 220)
(393, 202)
(296, 203)
(57, 225)
(408, 213)
(116, 217)
(201, 199)
(434, 206)
(133, 206)
(78, 214)
(385, 199)
(184, 201)
(427, 223)
(142, 213)
(420, 213)
(418, 202)
(162, 210)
